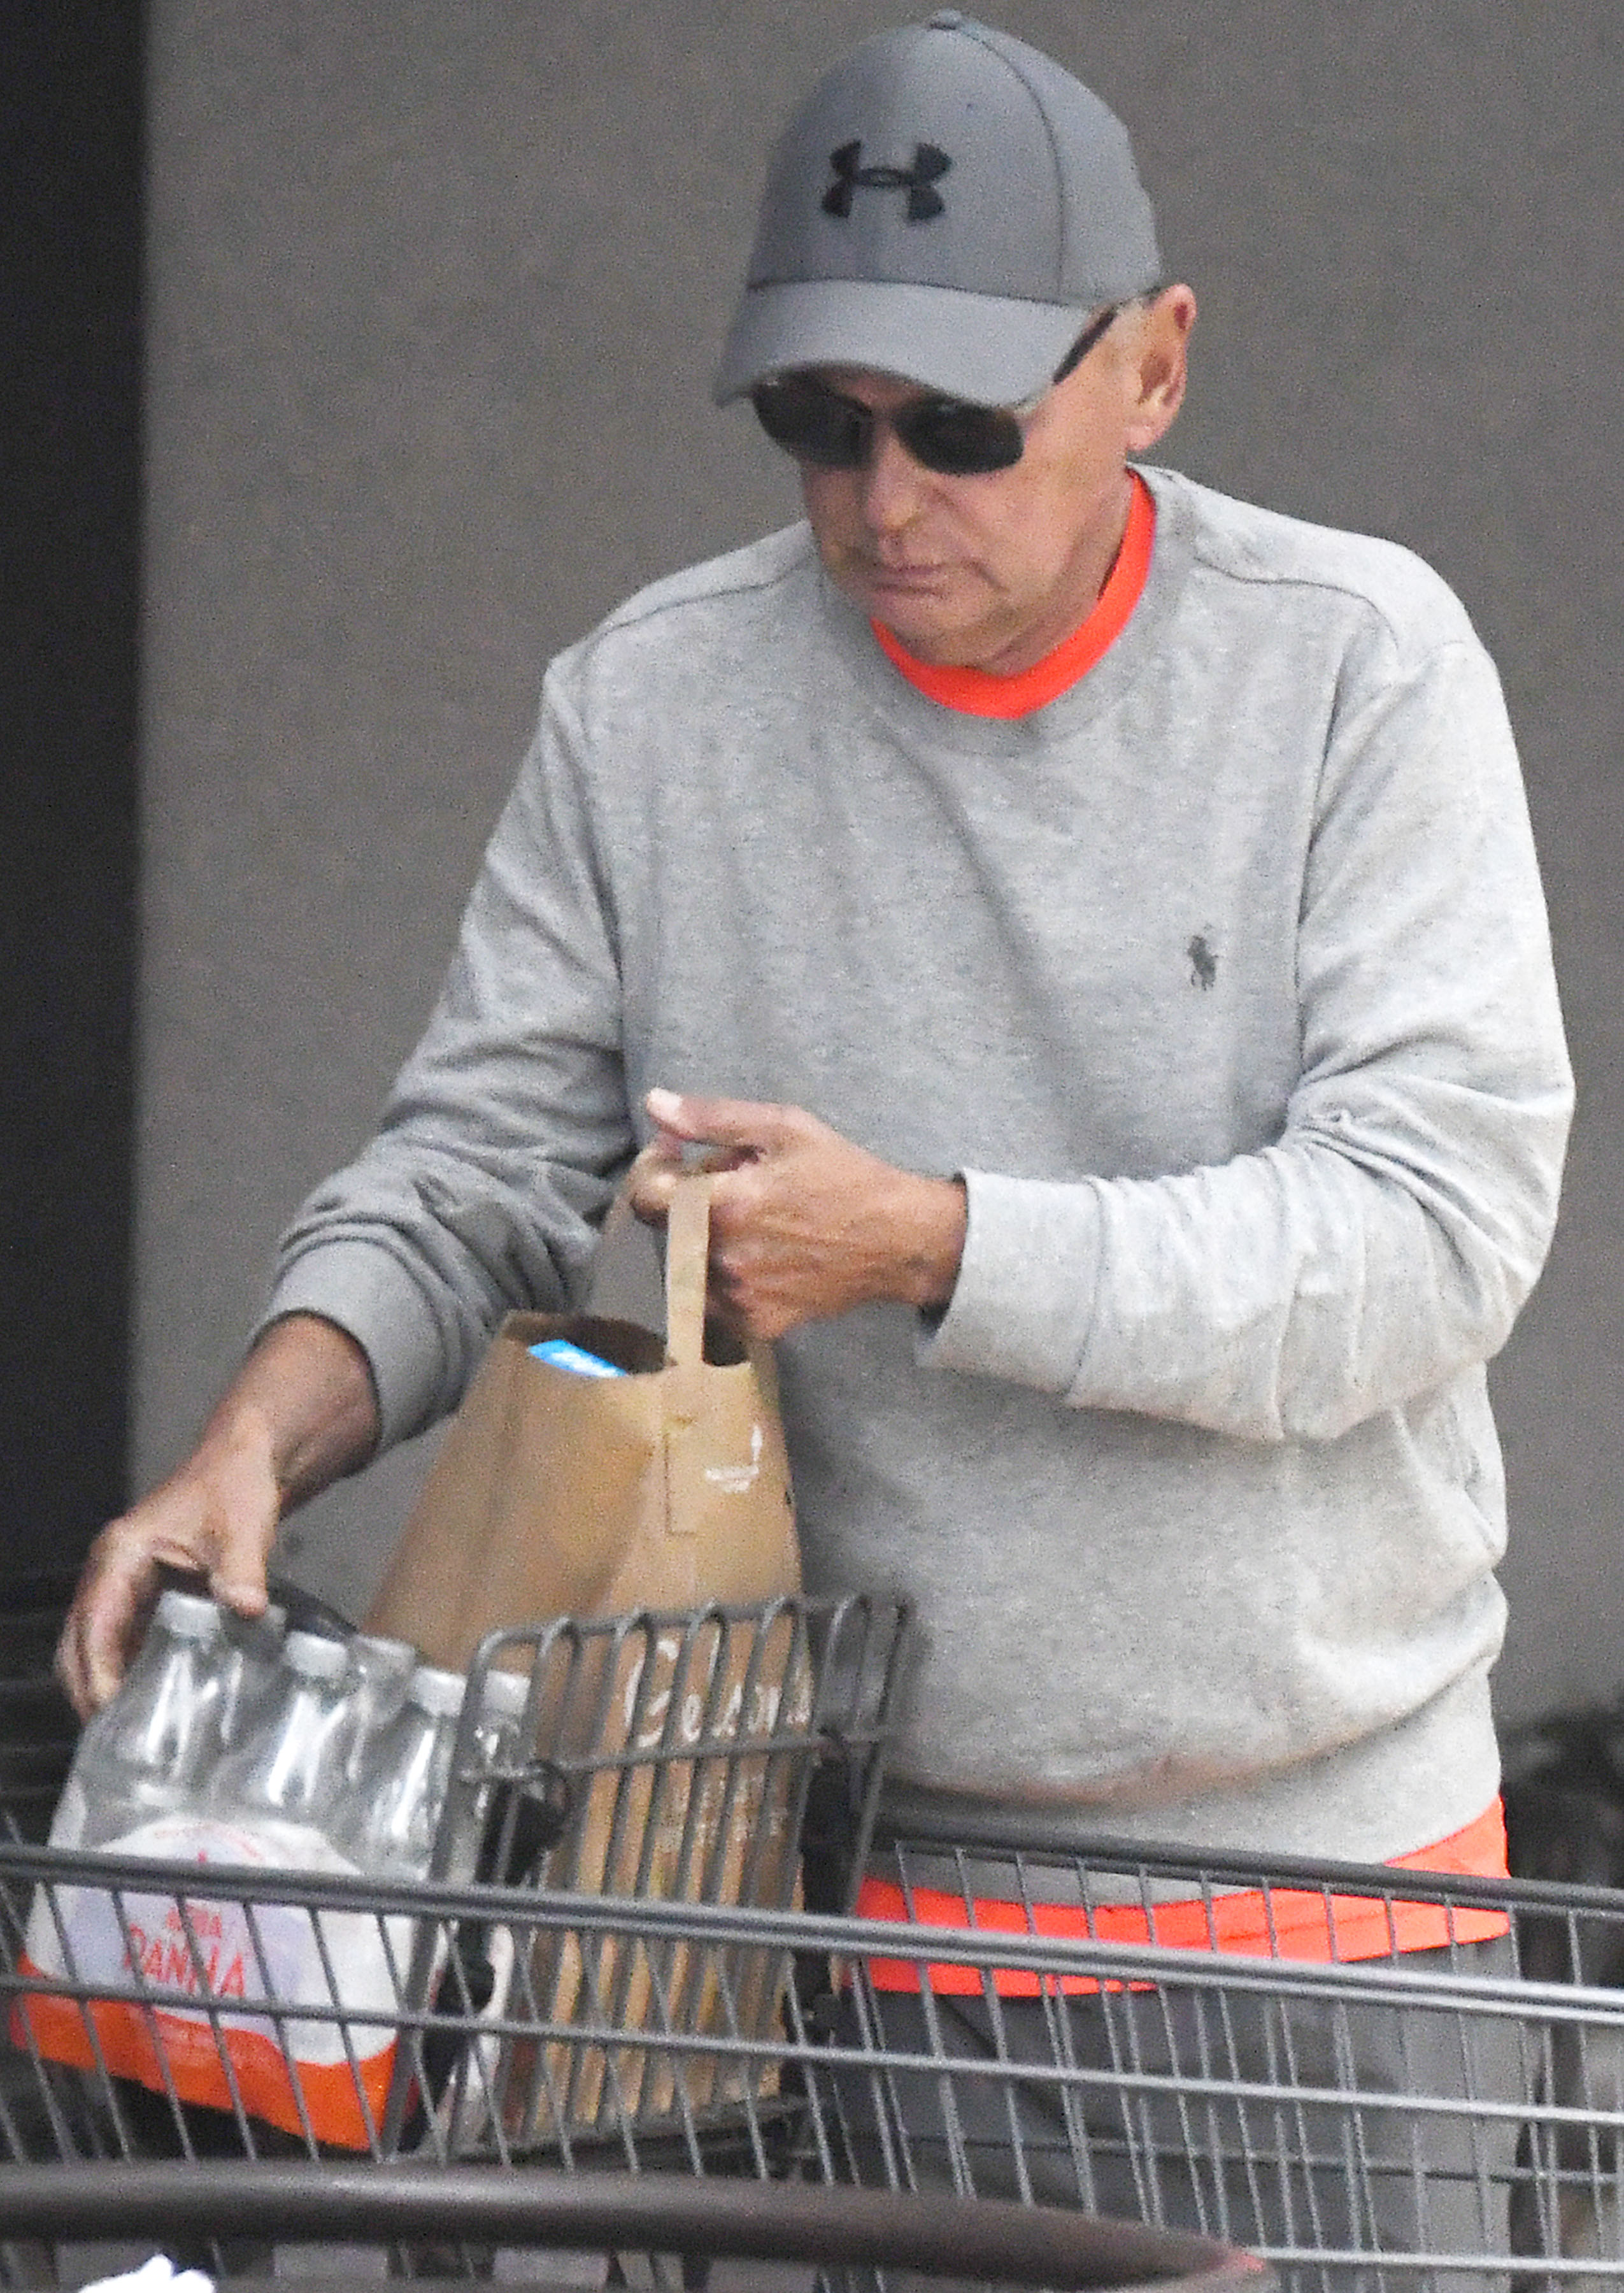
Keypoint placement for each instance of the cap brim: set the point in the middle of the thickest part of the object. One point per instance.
(993, 350)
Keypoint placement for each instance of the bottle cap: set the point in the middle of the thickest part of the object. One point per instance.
(315, 1656)
(436, 1691)
(264, 1632)
(187, 1617)
(505, 1693)
(371, 1652)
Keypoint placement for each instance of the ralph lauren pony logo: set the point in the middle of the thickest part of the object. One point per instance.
(923, 203)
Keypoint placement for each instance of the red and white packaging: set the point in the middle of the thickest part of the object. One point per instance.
(287, 2013)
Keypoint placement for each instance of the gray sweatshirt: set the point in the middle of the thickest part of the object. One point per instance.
(1224, 980)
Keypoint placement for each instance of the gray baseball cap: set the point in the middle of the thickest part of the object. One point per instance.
(948, 205)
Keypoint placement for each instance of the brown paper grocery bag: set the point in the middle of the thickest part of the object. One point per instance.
(683, 1809)
(559, 1495)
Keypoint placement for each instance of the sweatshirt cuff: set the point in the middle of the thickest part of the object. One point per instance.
(1023, 1304)
(371, 1297)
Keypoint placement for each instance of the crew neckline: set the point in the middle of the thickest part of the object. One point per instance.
(980, 692)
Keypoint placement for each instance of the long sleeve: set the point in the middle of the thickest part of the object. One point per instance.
(1389, 1234)
(506, 1130)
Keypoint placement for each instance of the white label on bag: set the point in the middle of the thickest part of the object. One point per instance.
(737, 1479)
(219, 1951)
(72, 1813)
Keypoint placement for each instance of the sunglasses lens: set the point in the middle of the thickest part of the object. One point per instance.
(812, 423)
(946, 434)
(959, 440)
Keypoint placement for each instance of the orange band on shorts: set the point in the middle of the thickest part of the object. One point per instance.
(1282, 1922)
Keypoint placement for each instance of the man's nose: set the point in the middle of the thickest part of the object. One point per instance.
(893, 485)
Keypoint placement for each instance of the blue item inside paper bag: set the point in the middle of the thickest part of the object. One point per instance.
(564, 1355)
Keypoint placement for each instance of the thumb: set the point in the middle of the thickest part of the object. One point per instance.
(245, 1529)
(738, 1122)
(239, 1584)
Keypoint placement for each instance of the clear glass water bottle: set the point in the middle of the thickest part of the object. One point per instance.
(148, 1753)
(290, 1767)
(497, 1841)
(253, 1662)
(380, 1673)
(502, 1702)
(389, 1815)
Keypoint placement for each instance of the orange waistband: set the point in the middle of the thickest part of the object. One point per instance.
(1280, 1923)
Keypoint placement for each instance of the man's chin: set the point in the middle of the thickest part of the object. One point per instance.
(927, 620)
(940, 639)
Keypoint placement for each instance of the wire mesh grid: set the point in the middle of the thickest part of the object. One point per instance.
(1041, 2036)
(1359, 2125)
(677, 2099)
(1368, 2076)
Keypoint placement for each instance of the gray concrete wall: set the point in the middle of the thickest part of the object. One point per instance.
(434, 293)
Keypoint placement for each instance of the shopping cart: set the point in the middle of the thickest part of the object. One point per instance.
(662, 2072)
(644, 2074)
(1034, 2075)
(703, 2141)
(1237, 2044)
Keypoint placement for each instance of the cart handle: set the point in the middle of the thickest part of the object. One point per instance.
(660, 2213)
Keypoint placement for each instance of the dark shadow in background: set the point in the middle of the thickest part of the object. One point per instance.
(70, 216)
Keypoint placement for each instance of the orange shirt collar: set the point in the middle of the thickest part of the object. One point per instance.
(980, 694)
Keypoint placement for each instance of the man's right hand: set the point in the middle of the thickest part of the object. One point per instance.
(215, 1518)
(299, 1413)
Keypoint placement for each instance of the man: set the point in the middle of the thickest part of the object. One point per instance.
(1095, 925)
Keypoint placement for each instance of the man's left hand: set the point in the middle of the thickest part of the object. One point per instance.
(804, 1225)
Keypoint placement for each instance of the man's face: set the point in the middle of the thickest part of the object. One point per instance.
(992, 572)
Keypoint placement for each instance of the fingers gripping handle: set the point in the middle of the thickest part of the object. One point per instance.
(687, 1251)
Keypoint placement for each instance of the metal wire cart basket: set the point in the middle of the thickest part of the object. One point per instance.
(596, 2041)
(1239, 2045)
(637, 2031)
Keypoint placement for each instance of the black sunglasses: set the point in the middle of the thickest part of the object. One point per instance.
(952, 436)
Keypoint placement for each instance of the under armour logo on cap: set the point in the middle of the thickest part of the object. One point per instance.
(1041, 220)
(929, 164)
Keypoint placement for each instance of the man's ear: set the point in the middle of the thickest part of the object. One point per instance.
(1160, 367)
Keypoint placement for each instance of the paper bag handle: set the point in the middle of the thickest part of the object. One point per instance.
(687, 1256)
